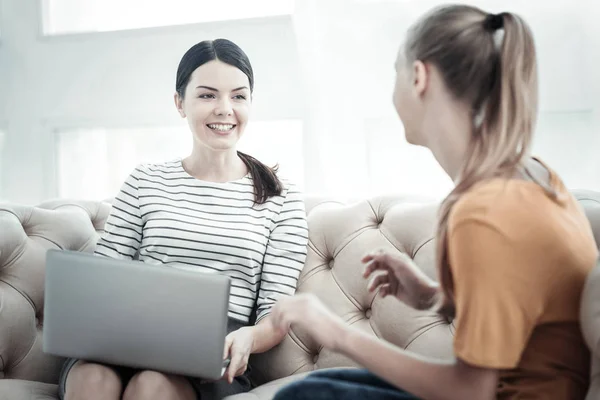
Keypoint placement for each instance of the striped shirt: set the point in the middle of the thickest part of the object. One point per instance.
(163, 215)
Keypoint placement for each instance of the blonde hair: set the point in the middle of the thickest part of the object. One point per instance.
(498, 82)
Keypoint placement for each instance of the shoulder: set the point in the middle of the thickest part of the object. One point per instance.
(291, 200)
(502, 199)
(486, 232)
(495, 201)
(289, 187)
(150, 172)
(290, 191)
(160, 168)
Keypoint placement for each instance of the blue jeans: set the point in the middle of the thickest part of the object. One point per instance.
(346, 384)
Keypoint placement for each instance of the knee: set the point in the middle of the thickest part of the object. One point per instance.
(91, 381)
(149, 385)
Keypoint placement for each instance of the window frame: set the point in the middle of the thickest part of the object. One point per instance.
(42, 34)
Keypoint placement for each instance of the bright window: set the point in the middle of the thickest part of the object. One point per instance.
(76, 16)
(93, 163)
(567, 141)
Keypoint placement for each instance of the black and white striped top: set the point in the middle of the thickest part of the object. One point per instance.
(169, 217)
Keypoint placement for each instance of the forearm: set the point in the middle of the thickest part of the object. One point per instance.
(265, 335)
(431, 295)
(427, 379)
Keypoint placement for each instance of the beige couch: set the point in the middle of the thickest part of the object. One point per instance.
(339, 235)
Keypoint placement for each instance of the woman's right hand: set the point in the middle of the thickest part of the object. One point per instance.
(400, 277)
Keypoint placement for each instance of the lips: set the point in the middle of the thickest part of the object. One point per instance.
(221, 128)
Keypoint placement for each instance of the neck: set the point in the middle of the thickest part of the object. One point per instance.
(214, 165)
(452, 129)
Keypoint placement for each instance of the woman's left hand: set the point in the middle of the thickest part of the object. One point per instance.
(307, 312)
(238, 347)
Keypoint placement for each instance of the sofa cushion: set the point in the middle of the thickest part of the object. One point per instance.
(339, 235)
(16, 389)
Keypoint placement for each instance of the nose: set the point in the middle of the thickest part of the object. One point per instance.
(223, 107)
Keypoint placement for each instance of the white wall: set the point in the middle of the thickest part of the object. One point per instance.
(356, 42)
(331, 65)
(119, 79)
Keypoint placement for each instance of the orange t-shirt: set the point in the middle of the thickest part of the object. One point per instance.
(519, 259)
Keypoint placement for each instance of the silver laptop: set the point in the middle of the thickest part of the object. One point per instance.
(135, 314)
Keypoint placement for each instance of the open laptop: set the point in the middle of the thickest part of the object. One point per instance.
(135, 314)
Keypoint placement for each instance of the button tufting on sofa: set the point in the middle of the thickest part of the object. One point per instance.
(27, 233)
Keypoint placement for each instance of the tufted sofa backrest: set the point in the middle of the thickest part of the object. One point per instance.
(339, 236)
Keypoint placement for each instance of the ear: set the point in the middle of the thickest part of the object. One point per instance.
(179, 104)
(420, 77)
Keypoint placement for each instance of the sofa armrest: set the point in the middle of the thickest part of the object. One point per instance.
(16, 389)
(590, 311)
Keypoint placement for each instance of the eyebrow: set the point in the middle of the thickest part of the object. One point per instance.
(216, 90)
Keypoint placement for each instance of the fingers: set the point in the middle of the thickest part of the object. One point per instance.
(293, 310)
(237, 364)
(385, 283)
(374, 265)
(242, 369)
(372, 256)
(383, 260)
(385, 290)
(375, 260)
(370, 267)
(228, 342)
(368, 257)
(378, 280)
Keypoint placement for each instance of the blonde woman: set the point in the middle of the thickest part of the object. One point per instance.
(514, 247)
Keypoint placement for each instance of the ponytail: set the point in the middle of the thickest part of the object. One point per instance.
(504, 98)
(266, 182)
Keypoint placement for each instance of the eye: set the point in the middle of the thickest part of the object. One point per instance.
(206, 96)
(240, 97)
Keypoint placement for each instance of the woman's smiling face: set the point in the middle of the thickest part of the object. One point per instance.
(217, 105)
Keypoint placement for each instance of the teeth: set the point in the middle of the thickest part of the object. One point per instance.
(221, 127)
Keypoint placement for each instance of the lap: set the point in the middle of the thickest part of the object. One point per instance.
(203, 390)
(342, 384)
(352, 375)
(152, 385)
(219, 389)
(123, 374)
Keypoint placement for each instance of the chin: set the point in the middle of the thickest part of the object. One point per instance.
(223, 145)
(413, 137)
(409, 136)
(219, 143)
